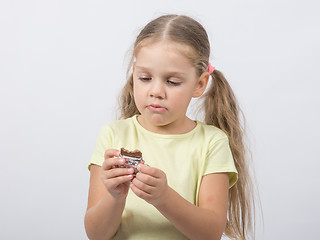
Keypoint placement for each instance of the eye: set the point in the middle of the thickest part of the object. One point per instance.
(174, 83)
(145, 79)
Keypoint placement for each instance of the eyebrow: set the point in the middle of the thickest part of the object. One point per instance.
(178, 74)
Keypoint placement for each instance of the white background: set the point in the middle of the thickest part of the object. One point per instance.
(62, 64)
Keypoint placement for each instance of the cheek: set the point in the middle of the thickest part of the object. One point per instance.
(137, 94)
(181, 99)
(135, 88)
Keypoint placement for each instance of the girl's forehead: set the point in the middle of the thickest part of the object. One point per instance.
(163, 54)
(167, 45)
(162, 58)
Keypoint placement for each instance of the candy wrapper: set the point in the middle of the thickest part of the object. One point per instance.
(132, 158)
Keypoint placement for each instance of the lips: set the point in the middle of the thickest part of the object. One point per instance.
(156, 108)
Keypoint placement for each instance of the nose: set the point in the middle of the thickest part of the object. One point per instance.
(157, 89)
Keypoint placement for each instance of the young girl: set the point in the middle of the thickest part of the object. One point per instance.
(194, 183)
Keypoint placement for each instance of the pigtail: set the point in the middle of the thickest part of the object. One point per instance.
(128, 107)
(222, 110)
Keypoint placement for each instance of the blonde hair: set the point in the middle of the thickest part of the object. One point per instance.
(220, 107)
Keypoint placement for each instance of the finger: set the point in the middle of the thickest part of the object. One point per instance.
(110, 153)
(142, 186)
(114, 182)
(146, 179)
(110, 162)
(146, 169)
(139, 192)
(116, 172)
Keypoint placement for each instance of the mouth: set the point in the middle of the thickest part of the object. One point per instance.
(156, 108)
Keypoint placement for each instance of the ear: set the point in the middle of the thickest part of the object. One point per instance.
(201, 85)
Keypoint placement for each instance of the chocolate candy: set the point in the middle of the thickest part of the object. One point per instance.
(132, 158)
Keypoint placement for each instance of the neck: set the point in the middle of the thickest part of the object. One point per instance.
(178, 127)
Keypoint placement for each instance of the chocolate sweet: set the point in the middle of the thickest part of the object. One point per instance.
(134, 154)
(133, 158)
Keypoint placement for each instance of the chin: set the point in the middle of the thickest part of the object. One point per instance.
(156, 119)
(159, 119)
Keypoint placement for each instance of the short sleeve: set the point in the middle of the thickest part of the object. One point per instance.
(219, 159)
(103, 143)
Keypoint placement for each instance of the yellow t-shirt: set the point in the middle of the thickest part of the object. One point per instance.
(185, 158)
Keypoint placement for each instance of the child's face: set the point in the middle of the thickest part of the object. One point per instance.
(164, 81)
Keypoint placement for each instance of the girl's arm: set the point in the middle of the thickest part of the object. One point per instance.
(208, 221)
(107, 195)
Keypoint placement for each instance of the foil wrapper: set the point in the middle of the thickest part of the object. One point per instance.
(131, 162)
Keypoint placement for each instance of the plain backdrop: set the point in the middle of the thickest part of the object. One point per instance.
(63, 63)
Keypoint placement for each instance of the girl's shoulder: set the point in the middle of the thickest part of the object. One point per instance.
(120, 123)
(211, 132)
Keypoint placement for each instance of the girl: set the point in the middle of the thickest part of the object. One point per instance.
(195, 183)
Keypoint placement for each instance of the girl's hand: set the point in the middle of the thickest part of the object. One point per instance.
(116, 180)
(150, 184)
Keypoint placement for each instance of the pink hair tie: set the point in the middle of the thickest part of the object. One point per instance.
(210, 68)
